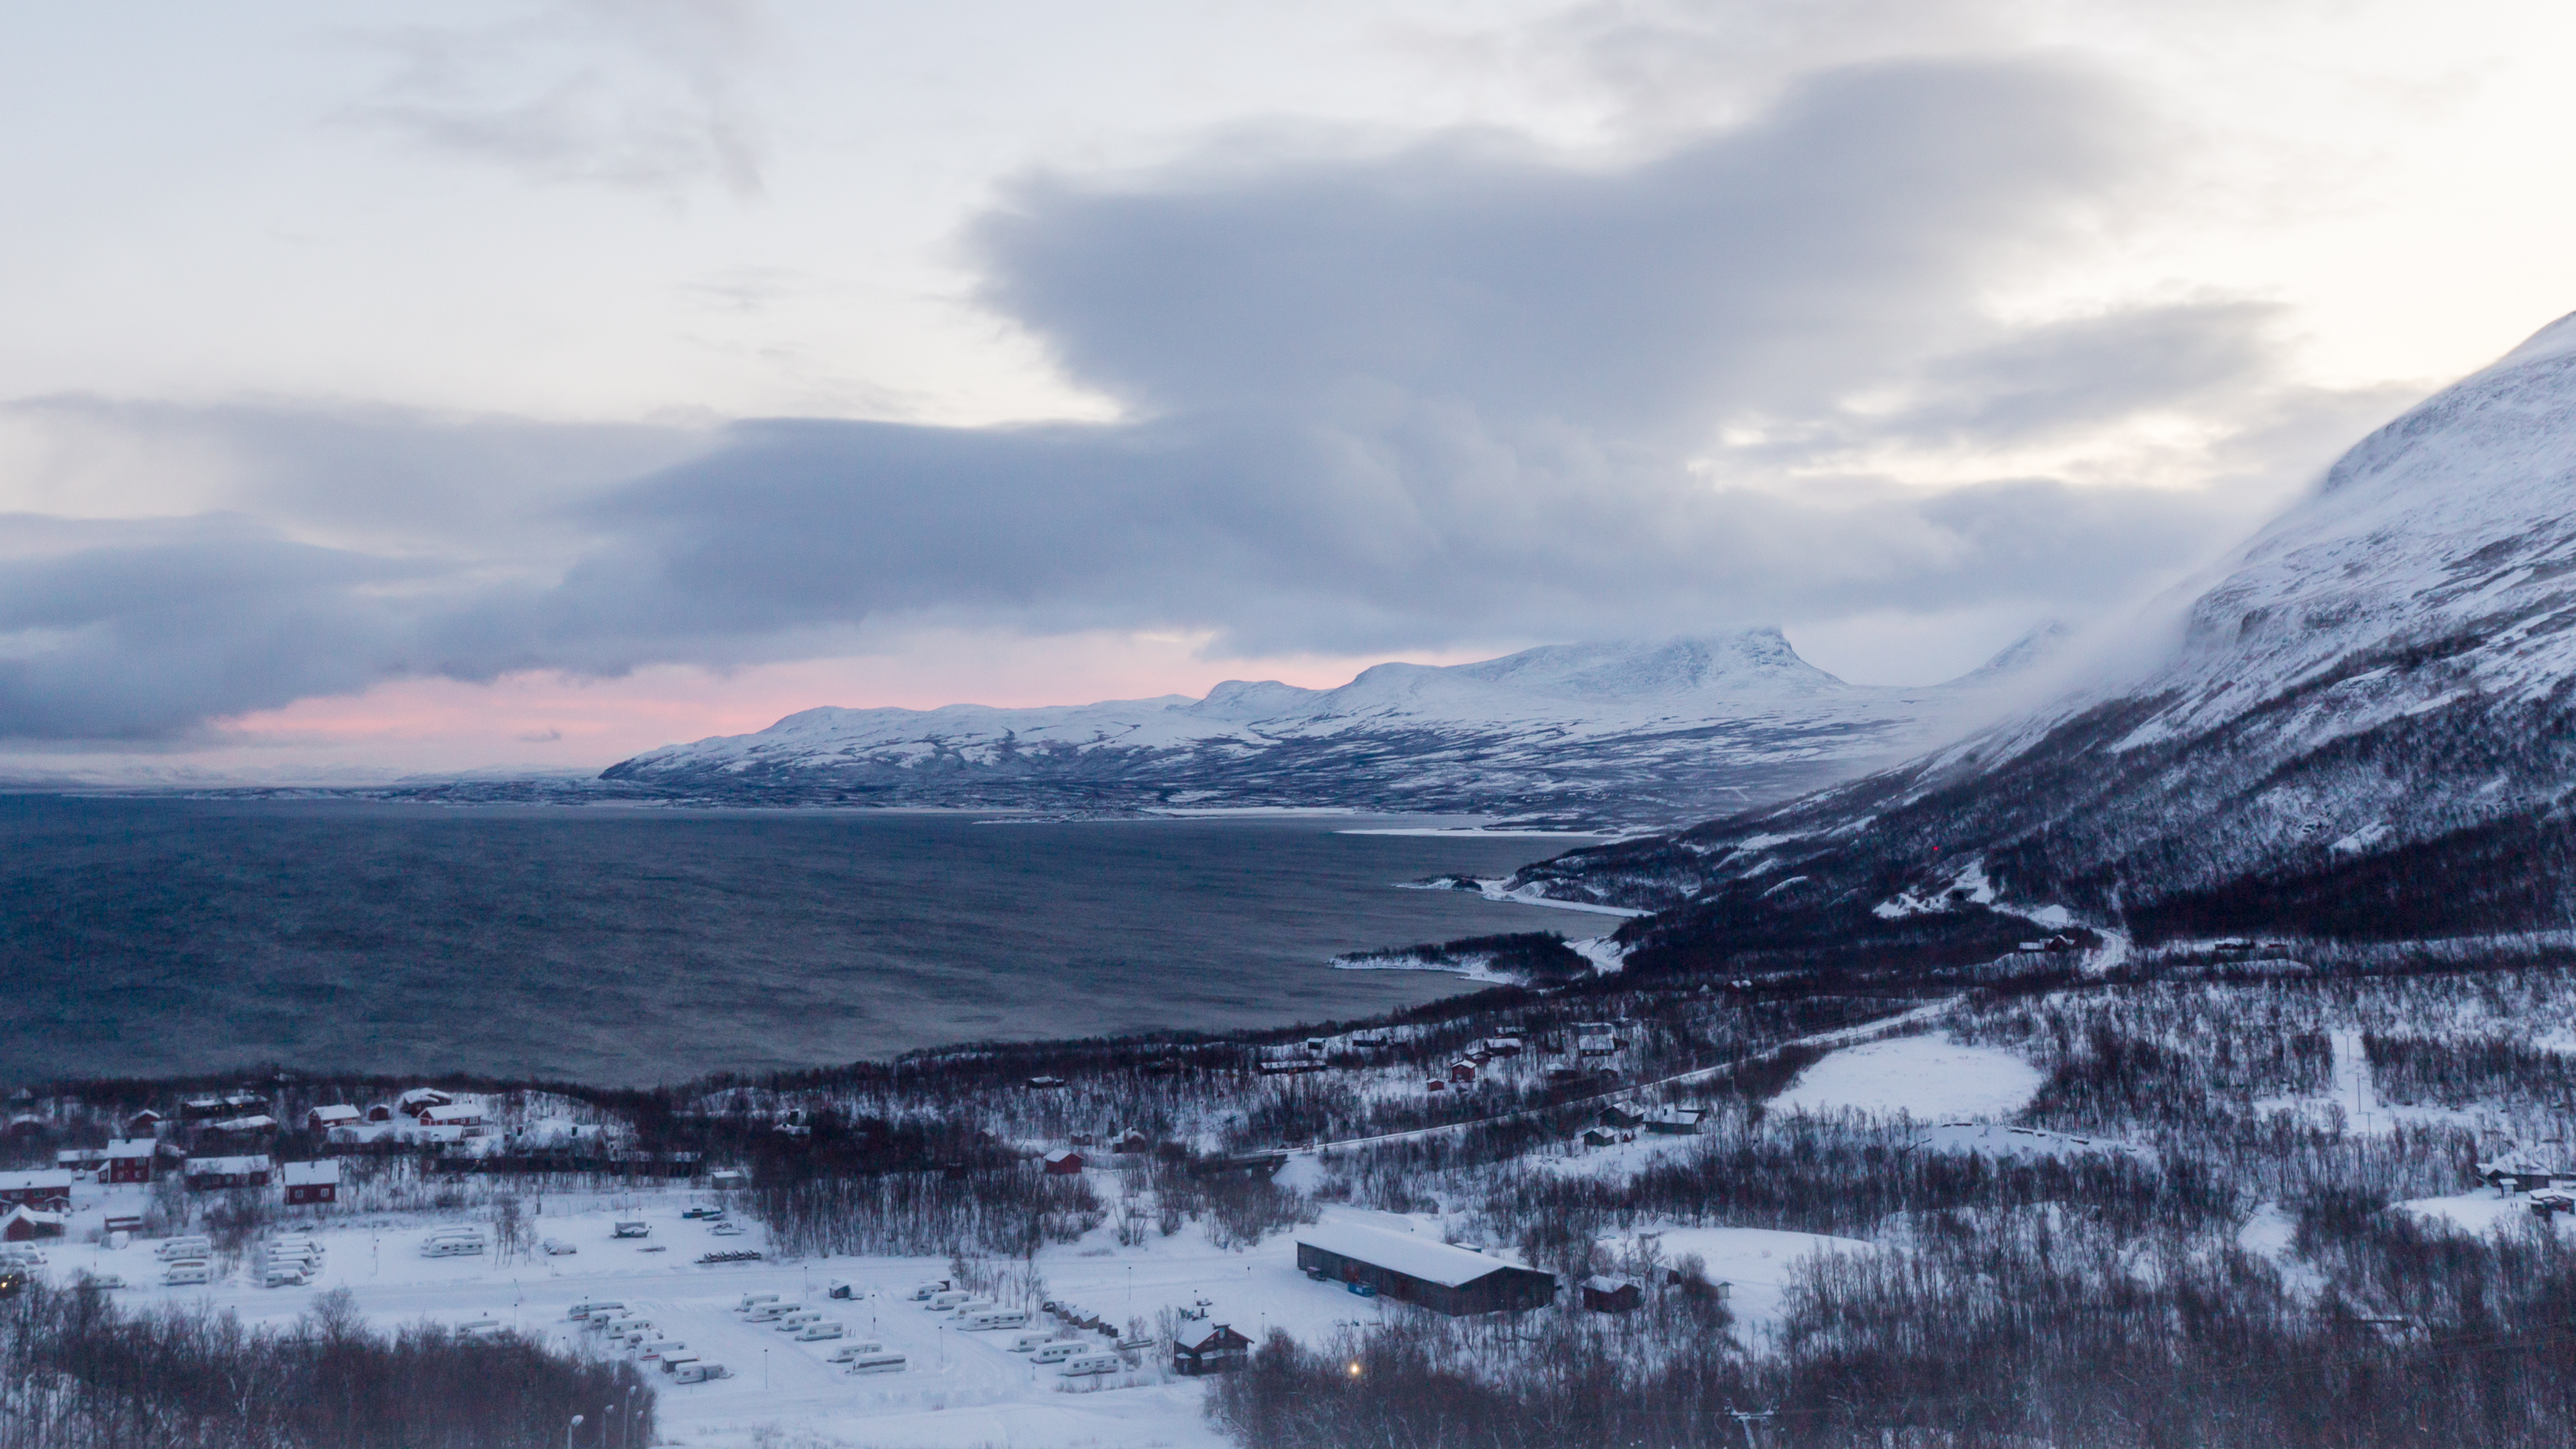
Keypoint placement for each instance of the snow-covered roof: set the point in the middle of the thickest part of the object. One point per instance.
(130, 1147)
(259, 1123)
(1428, 1259)
(1600, 1284)
(441, 1115)
(43, 1177)
(1202, 1333)
(312, 1174)
(227, 1166)
(1062, 1154)
(337, 1112)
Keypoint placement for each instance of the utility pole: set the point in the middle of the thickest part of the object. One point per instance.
(1746, 1419)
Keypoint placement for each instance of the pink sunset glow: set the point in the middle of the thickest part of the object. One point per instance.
(559, 722)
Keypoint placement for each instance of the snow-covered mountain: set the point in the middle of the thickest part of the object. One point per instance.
(1641, 732)
(2361, 729)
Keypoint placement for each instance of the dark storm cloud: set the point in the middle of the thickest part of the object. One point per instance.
(1457, 395)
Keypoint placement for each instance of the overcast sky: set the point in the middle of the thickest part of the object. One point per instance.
(450, 385)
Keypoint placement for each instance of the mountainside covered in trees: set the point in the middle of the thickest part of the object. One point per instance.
(1657, 732)
(2362, 731)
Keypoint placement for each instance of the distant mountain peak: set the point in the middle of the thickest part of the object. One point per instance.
(1626, 729)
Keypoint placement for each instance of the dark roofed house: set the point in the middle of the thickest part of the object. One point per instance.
(208, 1173)
(1675, 1122)
(1420, 1270)
(1611, 1295)
(144, 1123)
(1618, 1116)
(1203, 1347)
(1600, 1137)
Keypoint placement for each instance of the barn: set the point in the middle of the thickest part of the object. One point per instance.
(24, 1224)
(1420, 1270)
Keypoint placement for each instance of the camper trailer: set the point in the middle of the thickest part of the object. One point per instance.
(790, 1322)
(751, 1301)
(1058, 1350)
(181, 1275)
(852, 1352)
(878, 1363)
(992, 1318)
(817, 1332)
(946, 1299)
(173, 1248)
(581, 1311)
(1083, 1365)
(633, 1228)
(698, 1372)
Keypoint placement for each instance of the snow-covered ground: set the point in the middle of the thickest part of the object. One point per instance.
(962, 1389)
(1757, 1261)
(1924, 1077)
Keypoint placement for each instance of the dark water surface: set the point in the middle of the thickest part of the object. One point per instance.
(150, 936)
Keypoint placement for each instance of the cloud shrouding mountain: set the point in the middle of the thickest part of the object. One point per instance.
(1454, 395)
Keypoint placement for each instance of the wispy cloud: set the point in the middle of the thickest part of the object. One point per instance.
(650, 94)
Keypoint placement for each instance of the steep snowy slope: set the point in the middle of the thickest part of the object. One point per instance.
(2361, 730)
(1653, 732)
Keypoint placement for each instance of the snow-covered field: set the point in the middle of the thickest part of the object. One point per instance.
(1926, 1077)
(1755, 1261)
(961, 1389)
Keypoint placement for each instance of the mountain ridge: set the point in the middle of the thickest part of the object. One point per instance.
(1634, 731)
(2361, 731)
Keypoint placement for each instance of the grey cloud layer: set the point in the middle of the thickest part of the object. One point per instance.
(1458, 395)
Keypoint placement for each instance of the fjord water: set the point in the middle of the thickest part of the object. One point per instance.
(156, 936)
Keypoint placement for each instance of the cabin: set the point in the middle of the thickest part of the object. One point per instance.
(129, 1159)
(1420, 1270)
(1063, 1162)
(450, 1115)
(1595, 1046)
(311, 1182)
(1502, 1046)
(421, 1099)
(1599, 1137)
(208, 1174)
(46, 1189)
(146, 1123)
(25, 1224)
(1675, 1122)
(380, 1111)
(1611, 1295)
(1436, 1084)
(1208, 1348)
(81, 1159)
(1132, 1140)
(726, 1178)
(338, 1114)
(1620, 1118)
(1462, 1070)
(239, 1103)
(2514, 1174)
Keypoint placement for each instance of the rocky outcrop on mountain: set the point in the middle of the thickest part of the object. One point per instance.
(2361, 731)
(1644, 733)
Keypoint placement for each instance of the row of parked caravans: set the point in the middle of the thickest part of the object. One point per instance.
(280, 1262)
(627, 1328)
(1074, 1358)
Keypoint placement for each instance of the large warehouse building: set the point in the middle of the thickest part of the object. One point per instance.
(1421, 1270)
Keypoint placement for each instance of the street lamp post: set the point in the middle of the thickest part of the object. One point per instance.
(568, 1428)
